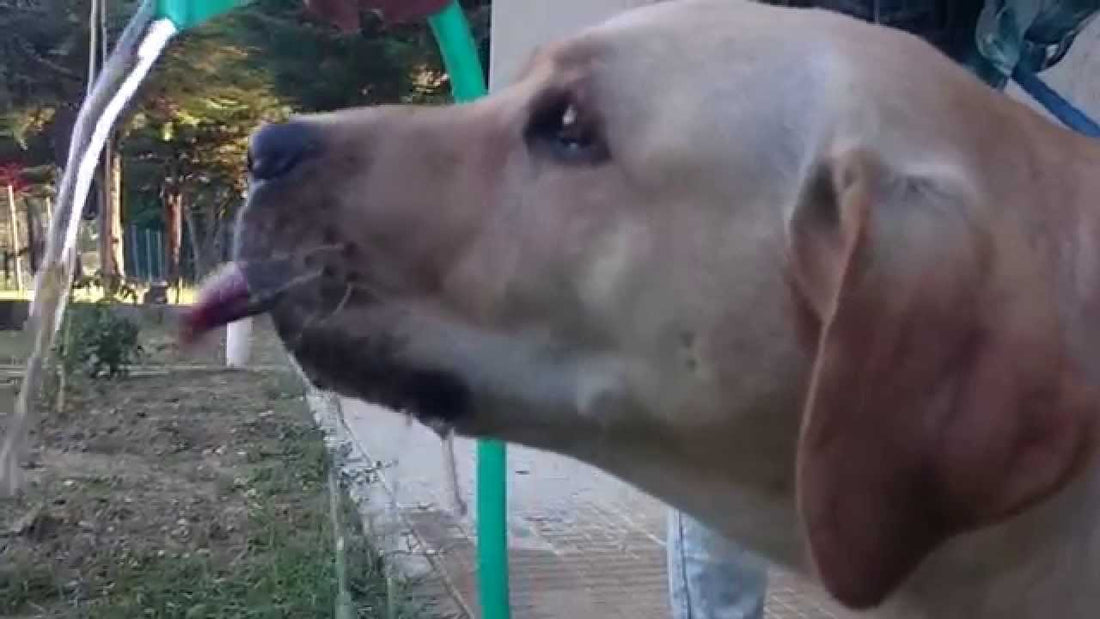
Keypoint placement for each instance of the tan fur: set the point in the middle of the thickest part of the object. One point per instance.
(790, 195)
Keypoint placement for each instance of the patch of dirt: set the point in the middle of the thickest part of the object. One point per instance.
(183, 493)
(149, 466)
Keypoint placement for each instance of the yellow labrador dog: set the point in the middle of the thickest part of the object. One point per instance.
(799, 276)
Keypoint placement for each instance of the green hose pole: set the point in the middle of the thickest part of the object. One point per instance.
(460, 58)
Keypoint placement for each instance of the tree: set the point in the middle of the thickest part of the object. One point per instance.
(11, 178)
(186, 147)
(111, 250)
(181, 147)
(221, 81)
(53, 46)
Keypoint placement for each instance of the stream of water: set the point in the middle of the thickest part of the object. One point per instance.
(138, 48)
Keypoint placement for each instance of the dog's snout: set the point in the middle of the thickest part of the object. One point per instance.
(278, 148)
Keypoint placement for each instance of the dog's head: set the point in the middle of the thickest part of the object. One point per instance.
(695, 246)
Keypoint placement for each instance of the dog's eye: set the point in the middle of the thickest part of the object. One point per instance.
(559, 129)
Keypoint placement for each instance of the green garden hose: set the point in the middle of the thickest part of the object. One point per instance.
(456, 44)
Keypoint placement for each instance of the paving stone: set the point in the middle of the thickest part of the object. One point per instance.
(582, 543)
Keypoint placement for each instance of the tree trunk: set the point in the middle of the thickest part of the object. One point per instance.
(32, 235)
(118, 233)
(173, 232)
(93, 43)
(195, 237)
(111, 243)
(111, 249)
(97, 191)
(13, 229)
(208, 228)
(106, 253)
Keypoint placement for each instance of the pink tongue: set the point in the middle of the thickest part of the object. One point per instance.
(223, 299)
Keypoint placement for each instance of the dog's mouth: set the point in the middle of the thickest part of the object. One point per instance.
(236, 291)
(298, 288)
(348, 343)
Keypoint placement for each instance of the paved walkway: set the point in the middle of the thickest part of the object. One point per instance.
(582, 544)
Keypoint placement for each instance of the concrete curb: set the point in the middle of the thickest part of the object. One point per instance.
(407, 557)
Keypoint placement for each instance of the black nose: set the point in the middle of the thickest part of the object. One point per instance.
(275, 150)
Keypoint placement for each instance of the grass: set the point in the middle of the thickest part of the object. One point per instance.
(22, 586)
(182, 495)
(287, 570)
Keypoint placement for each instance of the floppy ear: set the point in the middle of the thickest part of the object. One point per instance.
(942, 398)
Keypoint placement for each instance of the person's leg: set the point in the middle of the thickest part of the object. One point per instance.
(711, 577)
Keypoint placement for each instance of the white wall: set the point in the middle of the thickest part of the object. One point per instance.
(519, 26)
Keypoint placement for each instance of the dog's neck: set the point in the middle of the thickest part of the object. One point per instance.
(1082, 288)
(1055, 175)
(1051, 551)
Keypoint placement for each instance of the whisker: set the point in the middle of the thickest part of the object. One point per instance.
(343, 302)
(301, 332)
(264, 291)
(315, 320)
(321, 320)
(306, 253)
(265, 296)
(370, 290)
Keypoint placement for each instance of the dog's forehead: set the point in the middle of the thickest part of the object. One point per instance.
(572, 57)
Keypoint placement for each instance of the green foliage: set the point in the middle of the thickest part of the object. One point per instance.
(44, 48)
(102, 344)
(20, 588)
(187, 132)
(114, 290)
(314, 67)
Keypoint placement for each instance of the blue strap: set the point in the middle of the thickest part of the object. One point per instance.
(1062, 109)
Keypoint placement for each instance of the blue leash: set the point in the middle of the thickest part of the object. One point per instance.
(1063, 110)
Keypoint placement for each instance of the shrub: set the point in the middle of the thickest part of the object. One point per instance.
(102, 344)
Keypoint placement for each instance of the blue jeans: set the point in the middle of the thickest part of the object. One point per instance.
(710, 577)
